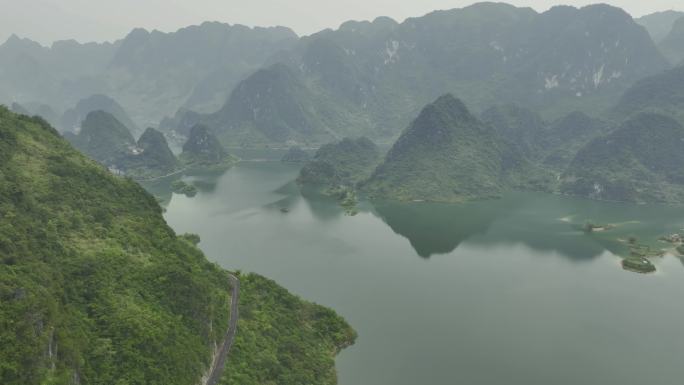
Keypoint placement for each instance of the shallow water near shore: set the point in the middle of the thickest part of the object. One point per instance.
(499, 292)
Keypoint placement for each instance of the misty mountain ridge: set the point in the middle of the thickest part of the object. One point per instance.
(365, 78)
(672, 46)
(151, 74)
(72, 118)
(659, 24)
(374, 76)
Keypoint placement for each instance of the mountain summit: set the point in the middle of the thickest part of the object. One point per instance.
(446, 154)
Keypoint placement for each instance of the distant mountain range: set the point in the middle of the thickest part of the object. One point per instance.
(672, 45)
(151, 74)
(73, 117)
(541, 90)
(660, 24)
(266, 85)
(371, 78)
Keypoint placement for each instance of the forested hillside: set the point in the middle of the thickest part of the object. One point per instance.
(96, 288)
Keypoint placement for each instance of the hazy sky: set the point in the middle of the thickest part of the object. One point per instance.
(88, 20)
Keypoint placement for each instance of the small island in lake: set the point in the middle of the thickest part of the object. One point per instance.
(638, 265)
(181, 187)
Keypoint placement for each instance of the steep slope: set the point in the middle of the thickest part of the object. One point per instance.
(151, 157)
(661, 93)
(95, 287)
(659, 24)
(103, 138)
(566, 136)
(586, 55)
(519, 126)
(343, 163)
(552, 145)
(445, 155)
(178, 127)
(284, 340)
(271, 106)
(72, 118)
(672, 46)
(203, 148)
(642, 161)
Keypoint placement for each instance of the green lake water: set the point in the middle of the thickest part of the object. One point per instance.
(498, 292)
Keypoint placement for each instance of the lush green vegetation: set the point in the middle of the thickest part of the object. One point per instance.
(641, 161)
(180, 187)
(343, 163)
(151, 157)
(273, 105)
(566, 136)
(203, 149)
(662, 93)
(347, 198)
(521, 127)
(282, 339)
(638, 265)
(448, 155)
(108, 141)
(95, 287)
(550, 144)
(104, 138)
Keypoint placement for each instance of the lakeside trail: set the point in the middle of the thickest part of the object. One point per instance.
(219, 363)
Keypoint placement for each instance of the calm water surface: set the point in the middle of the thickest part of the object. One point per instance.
(503, 292)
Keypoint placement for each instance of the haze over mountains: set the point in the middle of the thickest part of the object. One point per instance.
(371, 78)
(266, 85)
(660, 24)
(540, 87)
(151, 74)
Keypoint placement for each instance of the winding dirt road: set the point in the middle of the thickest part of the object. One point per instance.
(220, 362)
